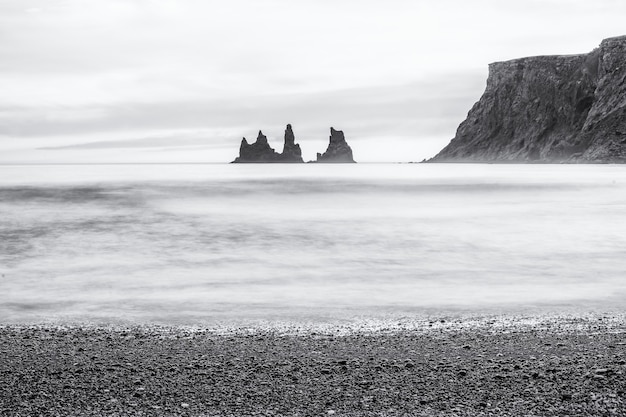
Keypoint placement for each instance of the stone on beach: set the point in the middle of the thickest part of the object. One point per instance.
(424, 371)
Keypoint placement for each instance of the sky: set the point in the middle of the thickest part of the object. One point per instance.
(101, 81)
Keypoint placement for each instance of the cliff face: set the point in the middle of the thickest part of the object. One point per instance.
(549, 109)
(338, 149)
(260, 151)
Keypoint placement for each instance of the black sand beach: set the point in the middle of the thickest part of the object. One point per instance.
(443, 367)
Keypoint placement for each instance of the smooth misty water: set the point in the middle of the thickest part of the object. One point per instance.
(218, 243)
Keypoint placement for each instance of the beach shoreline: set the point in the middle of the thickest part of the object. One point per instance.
(482, 366)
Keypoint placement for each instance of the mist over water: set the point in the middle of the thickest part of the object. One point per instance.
(222, 243)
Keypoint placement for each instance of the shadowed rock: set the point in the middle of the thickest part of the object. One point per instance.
(259, 151)
(549, 109)
(338, 149)
(291, 150)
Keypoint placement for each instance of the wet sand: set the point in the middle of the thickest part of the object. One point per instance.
(533, 366)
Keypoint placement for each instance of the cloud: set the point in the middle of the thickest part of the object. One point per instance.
(169, 141)
(414, 120)
(129, 74)
(443, 98)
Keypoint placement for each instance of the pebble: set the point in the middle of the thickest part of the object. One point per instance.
(217, 375)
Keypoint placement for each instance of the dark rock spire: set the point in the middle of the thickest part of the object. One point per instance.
(291, 150)
(338, 149)
(259, 151)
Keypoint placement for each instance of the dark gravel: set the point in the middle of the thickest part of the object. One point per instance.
(553, 368)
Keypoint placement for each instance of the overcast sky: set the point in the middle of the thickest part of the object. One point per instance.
(185, 80)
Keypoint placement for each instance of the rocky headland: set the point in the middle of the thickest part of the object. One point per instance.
(261, 152)
(549, 109)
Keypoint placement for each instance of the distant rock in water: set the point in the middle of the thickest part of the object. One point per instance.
(338, 149)
(259, 151)
(549, 109)
(291, 150)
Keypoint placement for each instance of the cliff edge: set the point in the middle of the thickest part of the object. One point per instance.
(549, 109)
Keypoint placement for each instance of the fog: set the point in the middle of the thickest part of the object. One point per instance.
(200, 75)
(202, 243)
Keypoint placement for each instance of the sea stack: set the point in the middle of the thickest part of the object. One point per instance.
(338, 150)
(291, 150)
(259, 151)
(548, 109)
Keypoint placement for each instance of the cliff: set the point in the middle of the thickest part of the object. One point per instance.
(260, 151)
(548, 109)
(338, 150)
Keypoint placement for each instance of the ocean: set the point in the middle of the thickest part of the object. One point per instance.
(207, 244)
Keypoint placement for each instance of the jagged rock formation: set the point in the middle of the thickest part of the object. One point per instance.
(338, 149)
(291, 150)
(549, 109)
(260, 151)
